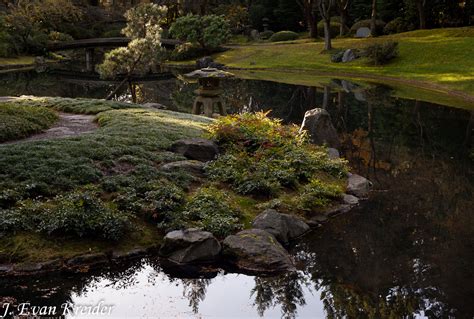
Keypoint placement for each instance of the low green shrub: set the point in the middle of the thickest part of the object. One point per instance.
(187, 51)
(381, 53)
(379, 25)
(284, 36)
(18, 122)
(37, 43)
(398, 25)
(317, 194)
(262, 156)
(80, 214)
(265, 35)
(209, 209)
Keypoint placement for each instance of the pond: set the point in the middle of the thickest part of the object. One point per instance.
(408, 252)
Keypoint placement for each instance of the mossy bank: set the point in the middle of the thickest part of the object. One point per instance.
(107, 192)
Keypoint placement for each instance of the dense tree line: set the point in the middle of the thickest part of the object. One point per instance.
(26, 25)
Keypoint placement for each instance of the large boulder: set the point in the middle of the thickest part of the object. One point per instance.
(358, 186)
(256, 251)
(319, 126)
(284, 227)
(363, 32)
(190, 246)
(198, 149)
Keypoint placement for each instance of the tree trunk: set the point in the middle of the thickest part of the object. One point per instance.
(312, 25)
(132, 91)
(327, 35)
(344, 17)
(373, 21)
(326, 97)
(117, 88)
(420, 4)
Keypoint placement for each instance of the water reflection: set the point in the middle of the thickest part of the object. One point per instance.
(407, 253)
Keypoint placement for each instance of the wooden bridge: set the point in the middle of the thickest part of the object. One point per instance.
(102, 43)
(90, 44)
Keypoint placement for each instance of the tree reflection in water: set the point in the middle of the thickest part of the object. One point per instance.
(285, 291)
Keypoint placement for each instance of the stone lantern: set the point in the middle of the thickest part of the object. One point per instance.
(209, 92)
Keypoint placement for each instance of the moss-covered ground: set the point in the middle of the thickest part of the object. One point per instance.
(125, 151)
(21, 121)
(106, 190)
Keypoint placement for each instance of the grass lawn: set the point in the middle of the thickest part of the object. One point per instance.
(23, 60)
(439, 59)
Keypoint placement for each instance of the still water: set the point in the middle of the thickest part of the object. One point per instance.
(407, 253)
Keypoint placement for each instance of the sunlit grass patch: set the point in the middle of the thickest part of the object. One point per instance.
(428, 55)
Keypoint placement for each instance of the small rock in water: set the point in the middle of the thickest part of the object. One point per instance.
(190, 245)
(358, 186)
(255, 250)
(350, 199)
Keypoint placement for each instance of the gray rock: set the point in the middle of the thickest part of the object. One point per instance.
(87, 260)
(333, 153)
(284, 227)
(337, 57)
(216, 65)
(27, 267)
(40, 60)
(358, 186)
(319, 219)
(336, 210)
(190, 246)
(6, 269)
(198, 149)
(131, 254)
(255, 250)
(350, 200)
(255, 35)
(348, 56)
(204, 62)
(192, 167)
(319, 125)
(363, 32)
